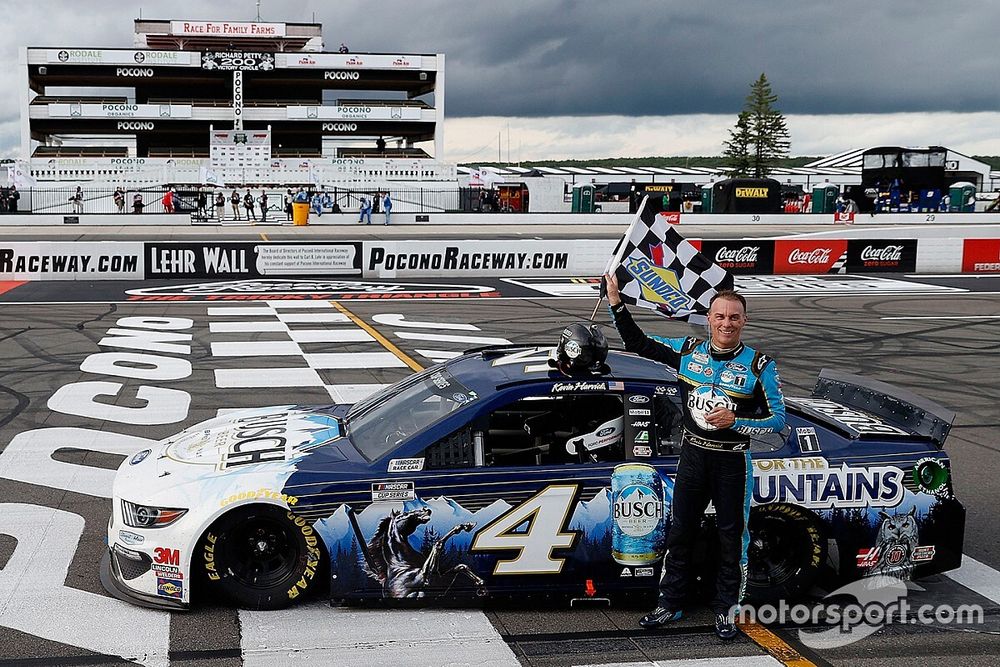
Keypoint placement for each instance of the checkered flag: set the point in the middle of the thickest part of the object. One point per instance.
(657, 269)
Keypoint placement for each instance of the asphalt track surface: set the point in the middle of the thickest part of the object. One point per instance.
(936, 336)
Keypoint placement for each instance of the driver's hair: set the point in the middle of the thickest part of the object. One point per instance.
(728, 295)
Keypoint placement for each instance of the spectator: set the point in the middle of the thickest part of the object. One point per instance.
(377, 202)
(317, 204)
(137, 203)
(387, 207)
(220, 205)
(248, 205)
(4, 199)
(343, 48)
(365, 207)
(302, 196)
(263, 205)
(288, 204)
(202, 204)
(168, 201)
(12, 198)
(77, 200)
(945, 204)
(120, 199)
(380, 145)
(234, 201)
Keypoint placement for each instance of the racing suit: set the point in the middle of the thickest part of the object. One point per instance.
(714, 463)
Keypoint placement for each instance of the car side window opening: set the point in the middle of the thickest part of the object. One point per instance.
(536, 430)
(669, 424)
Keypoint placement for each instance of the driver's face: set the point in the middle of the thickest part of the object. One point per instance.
(726, 319)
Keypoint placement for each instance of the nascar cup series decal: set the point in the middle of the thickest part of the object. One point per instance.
(704, 399)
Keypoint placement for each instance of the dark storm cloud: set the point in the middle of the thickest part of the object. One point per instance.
(550, 57)
(554, 57)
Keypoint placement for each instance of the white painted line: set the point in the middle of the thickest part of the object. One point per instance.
(222, 412)
(226, 378)
(314, 634)
(256, 348)
(291, 303)
(942, 317)
(313, 318)
(447, 338)
(328, 360)
(242, 311)
(439, 355)
(41, 605)
(396, 320)
(245, 327)
(951, 275)
(978, 577)
(742, 661)
(330, 336)
(352, 393)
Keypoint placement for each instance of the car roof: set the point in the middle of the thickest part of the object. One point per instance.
(489, 368)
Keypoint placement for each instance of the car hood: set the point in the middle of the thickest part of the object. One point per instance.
(243, 448)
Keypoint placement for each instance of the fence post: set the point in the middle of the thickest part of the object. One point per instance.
(421, 200)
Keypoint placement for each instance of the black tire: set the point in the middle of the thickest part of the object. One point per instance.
(787, 550)
(262, 557)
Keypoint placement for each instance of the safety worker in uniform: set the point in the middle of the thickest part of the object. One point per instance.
(729, 392)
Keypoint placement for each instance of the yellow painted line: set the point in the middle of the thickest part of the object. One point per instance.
(264, 236)
(385, 342)
(774, 645)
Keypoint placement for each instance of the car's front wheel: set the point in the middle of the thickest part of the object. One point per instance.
(262, 557)
(786, 552)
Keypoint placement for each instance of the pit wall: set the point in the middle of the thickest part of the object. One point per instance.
(139, 260)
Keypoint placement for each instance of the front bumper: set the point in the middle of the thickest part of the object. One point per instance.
(113, 582)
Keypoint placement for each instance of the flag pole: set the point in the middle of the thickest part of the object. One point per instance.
(616, 258)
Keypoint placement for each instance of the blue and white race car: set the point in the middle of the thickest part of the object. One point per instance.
(493, 474)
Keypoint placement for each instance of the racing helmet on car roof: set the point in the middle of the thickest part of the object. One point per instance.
(582, 348)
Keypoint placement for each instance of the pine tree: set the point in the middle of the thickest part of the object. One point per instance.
(760, 137)
(737, 149)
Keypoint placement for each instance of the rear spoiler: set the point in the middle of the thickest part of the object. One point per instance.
(901, 408)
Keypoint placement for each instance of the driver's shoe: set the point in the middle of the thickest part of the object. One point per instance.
(725, 627)
(659, 617)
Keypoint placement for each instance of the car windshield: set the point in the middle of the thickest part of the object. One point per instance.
(378, 424)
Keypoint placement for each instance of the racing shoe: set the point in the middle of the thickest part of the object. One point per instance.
(659, 617)
(725, 628)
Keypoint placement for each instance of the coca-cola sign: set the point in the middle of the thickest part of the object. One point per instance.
(741, 257)
(877, 255)
(808, 255)
(890, 253)
(815, 256)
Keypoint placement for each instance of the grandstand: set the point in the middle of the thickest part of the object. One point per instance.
(155, 110)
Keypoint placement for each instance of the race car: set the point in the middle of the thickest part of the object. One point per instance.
(497, 474)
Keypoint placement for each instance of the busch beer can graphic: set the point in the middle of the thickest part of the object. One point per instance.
(638, 531)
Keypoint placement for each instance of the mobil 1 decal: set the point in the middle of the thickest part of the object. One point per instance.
(741, 257)
(251, 260)
(881, 255)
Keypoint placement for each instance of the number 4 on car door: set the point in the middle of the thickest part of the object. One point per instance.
(546, 514)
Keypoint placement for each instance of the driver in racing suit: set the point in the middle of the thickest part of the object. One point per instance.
(729, 392)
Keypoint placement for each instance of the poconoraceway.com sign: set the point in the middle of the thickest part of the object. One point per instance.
(486, 258)
(71, 260)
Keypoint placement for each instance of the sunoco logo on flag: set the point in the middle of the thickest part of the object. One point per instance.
(657, 269)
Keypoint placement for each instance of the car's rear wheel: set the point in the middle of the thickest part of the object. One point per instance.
(787, 550)
(262, 557)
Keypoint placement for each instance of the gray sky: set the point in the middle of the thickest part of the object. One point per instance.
(555, 78)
